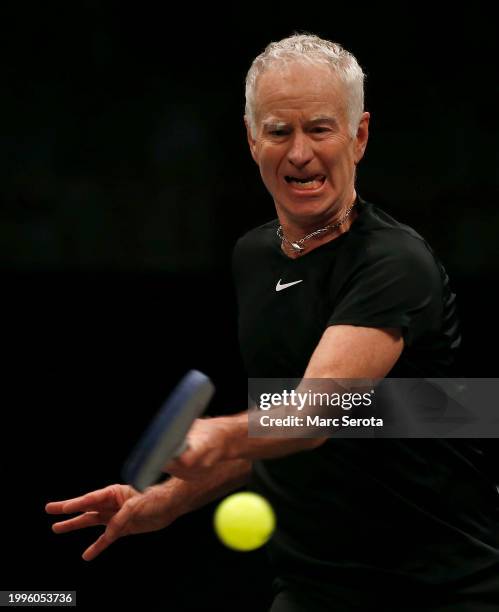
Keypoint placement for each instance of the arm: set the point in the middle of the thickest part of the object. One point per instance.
(219, 458)
(344, 352)
(125, 511)
(222, 479)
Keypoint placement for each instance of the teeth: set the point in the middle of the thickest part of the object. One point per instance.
(313, 182)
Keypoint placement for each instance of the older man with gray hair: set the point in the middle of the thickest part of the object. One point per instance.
(333, 288)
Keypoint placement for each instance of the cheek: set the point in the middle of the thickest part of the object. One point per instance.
(343, 164)
(268, 177)
(269, 163)
(341, 171)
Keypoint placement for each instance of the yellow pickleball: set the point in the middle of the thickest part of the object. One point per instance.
(244, 521)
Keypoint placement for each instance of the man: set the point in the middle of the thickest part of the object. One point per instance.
(333, 289)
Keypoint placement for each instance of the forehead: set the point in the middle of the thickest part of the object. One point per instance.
(295, 87)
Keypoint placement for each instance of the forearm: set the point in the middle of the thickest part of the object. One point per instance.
(240, 445)
(188, 495)
(288, 437)
(345, 354)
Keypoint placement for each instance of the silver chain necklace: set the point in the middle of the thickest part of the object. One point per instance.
(297, 246)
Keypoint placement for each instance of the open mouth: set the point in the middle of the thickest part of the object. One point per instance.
(313, 181)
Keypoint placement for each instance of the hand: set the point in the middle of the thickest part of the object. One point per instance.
(208, 442)
(122, 509)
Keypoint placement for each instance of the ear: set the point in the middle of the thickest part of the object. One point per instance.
(251, 141)
(361, 137)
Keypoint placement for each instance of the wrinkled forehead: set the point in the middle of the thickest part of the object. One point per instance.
(305, 87)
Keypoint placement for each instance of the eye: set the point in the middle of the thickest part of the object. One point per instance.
(319, 130)
(278, 132)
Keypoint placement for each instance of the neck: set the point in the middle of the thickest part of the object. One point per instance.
(294, 232)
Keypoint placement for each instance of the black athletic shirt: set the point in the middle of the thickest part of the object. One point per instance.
(375, 518)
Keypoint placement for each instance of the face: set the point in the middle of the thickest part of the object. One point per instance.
(303, 146)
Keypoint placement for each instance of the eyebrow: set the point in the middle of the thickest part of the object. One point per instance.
(274, 123)
(279, 124)
(322, 119)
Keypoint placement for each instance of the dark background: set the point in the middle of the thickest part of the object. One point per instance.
(125, 182)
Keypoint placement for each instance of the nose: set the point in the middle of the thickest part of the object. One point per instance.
(300, 151)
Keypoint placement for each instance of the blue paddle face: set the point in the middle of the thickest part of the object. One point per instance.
(164, 439)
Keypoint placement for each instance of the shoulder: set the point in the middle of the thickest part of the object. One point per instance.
(255, 239)
(257, 234)
(381, 239)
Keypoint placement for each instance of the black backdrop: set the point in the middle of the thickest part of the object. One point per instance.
(125, 181)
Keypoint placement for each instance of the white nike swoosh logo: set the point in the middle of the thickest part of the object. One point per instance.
(280, 287)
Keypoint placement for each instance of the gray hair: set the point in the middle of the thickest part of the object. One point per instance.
(308, 48)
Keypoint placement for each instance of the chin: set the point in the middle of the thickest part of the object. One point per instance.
(307, 207)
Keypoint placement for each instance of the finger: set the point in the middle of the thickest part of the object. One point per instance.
(75, 504)
(96, 500)
(98, 546)
(117, 526)
(189, 458)
(177, 468)
(171, 466)
(89, 519)
(55, 507)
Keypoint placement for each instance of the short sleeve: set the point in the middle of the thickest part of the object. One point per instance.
(394, 282)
